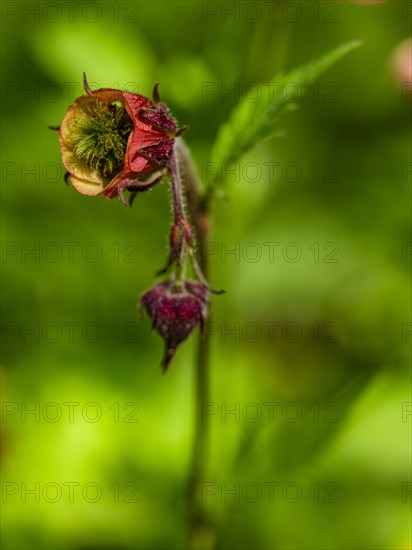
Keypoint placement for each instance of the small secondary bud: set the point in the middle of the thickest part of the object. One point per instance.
(175, 311)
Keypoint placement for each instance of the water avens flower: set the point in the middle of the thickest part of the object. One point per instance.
(113, 140)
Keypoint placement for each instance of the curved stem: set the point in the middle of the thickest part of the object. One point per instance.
(180, 229)
(176, 191)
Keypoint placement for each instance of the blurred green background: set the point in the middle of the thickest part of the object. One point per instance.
(317, 366)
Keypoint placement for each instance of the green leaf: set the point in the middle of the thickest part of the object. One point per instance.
(253, 122)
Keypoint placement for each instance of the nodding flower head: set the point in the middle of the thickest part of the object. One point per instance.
(175, 311)
(112, 140)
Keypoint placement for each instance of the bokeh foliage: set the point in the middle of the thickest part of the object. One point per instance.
(362, 379)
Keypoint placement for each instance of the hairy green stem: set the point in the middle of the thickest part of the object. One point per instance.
(176, 191)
